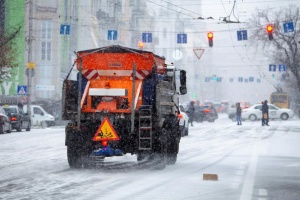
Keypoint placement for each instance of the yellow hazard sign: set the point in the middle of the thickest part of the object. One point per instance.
(105, 132)
(31, 65)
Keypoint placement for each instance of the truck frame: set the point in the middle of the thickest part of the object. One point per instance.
(130, 92)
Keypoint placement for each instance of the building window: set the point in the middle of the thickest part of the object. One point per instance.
(240, 79)
(46, 40)
(251, 79)
(231, 80)
(46, 74)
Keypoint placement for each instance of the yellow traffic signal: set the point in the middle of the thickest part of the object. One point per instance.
(210, 37)
(270, 29)
(141, 44)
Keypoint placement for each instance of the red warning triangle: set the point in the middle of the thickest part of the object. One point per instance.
(198, 52)
(105, 132)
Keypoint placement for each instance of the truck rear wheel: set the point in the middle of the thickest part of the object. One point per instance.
(160, 156)
(172, 152)
(143, 156)
(74, 157)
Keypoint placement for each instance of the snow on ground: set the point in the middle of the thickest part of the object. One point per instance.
(34, 164)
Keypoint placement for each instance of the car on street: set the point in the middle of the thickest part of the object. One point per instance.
(205, 113)
(19, 119)
(219, 107)
(231, 112)
(183, 121)
(5, 124)
(254, 112)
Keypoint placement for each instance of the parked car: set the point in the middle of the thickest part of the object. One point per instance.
(40, 116)
(254, 112)
(183, 122)
(219, 107)
(231, 112)
(225, 105)
(205, 113)
(5, 124)
(19, 119)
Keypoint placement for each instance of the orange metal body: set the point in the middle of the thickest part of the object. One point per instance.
(114, 71)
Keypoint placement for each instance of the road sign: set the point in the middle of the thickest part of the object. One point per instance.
(147, 37)
(288, 27)
(112, 34)
(242, 35)
(65, 29)
(45, 87)
(282, 67)
(105, 132)
(31, 65)
(177, 54)
(198, 52)
(272, 68)
(22, 90)
(27, 72)
(181, 38)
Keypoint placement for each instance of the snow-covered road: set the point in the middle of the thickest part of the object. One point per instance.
(33, 165)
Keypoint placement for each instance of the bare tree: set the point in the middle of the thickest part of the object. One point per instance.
(7, 54)
(283, 48)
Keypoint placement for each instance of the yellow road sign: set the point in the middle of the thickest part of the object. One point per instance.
(105, 132)
(31, 65)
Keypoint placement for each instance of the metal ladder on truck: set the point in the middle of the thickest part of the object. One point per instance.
(145, 127)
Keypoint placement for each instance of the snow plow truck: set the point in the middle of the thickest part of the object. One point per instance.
(123, 101)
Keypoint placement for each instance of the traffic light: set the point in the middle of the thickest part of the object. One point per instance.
(270, 31)
(215, 78)
(210, 37)
(141, 44)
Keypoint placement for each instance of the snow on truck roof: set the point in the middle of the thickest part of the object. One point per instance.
(118, 61)
(118, 49)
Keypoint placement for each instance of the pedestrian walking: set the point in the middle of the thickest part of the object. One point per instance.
(238, 113)
(262, 118)
(265, 113)
(191, 112)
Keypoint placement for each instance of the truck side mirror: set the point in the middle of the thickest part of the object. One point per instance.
(182, 77)
(182, 89)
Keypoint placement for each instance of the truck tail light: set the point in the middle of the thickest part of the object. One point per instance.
(180, 116)
(104, 143)
(206, 111)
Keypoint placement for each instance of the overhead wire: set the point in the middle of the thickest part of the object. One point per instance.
(238, 53)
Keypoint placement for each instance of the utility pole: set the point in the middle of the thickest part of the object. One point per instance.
(29, 75)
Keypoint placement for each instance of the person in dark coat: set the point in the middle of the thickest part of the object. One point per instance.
(265, 113)
(238, 113)
(262, 118)
(191, 111)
